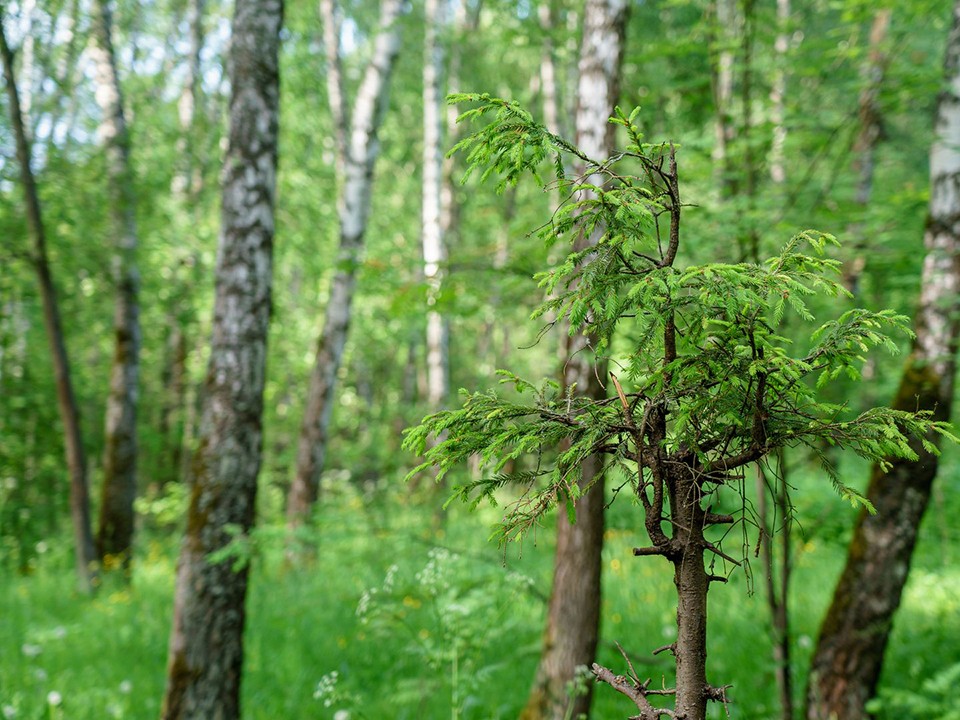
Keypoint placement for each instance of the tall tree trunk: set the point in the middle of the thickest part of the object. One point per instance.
(206, 641)
(869, 135)
(776, 563)
(434, 251)
(187, 178)
(778, 94)
(573, 615)
(847, 662)
(84, 551)
(354, 207)
(115, 534)
(174, 380)
(722, 16)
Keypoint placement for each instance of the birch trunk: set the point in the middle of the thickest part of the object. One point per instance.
(434, 252)
(724, 17)
(573, 614)
(206, 641)
(849, 654)
(84, 551)
(778, 94)
(868, 138)
(115, 534)
(187, 180)
(354, 208)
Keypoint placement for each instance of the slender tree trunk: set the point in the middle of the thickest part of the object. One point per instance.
(206, 641)
(868, 138)
(778, 94)
(187, 179)
(434, 251)
(777, 582)
(362, 151)
(115, 535)
(723, 16)
(548, 69)
(573, 615)
(174, 379)
(691, 581)
(849, 654)
(84, 551)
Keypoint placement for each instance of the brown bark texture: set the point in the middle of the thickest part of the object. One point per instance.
(115, 533)
(363, 148)
(573, 615)
(84, 551)
(206, 641)
(849, 654)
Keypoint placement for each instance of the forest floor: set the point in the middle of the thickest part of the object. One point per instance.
(400, 617)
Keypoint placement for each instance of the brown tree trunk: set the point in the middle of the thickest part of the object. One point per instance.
(849, 654)
(692, 584)
(174, 379)
(573, 616)
(362, 150)
(777, 581)
(206, 641)
(84, 551)
(115, 534)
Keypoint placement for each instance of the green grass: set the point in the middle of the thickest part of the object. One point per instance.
(464, 632)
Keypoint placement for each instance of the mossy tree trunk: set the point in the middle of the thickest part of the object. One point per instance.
(206, 642)
(849, 654)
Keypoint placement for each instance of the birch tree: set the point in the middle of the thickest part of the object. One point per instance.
(115, 534)
(573, 614)
(849, 654)
(206, 641)
(360, 150)
(84, 550)
(869, 135)
(434, 251)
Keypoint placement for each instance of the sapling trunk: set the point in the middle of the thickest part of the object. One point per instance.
(709, 388)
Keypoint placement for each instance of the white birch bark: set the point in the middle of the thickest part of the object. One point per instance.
(778, 93)
(434, 251)
(186, 181)
(573, 614)
(869, 135)
(115, 534)
(336, 98)
(363, 148)
(205, 658)
(724, 131)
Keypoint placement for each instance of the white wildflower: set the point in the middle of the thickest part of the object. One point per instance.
(9, 712)
(54, 698)
(30, 651)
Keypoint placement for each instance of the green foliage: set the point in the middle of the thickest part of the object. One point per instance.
(706, 351)
(935, 699)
